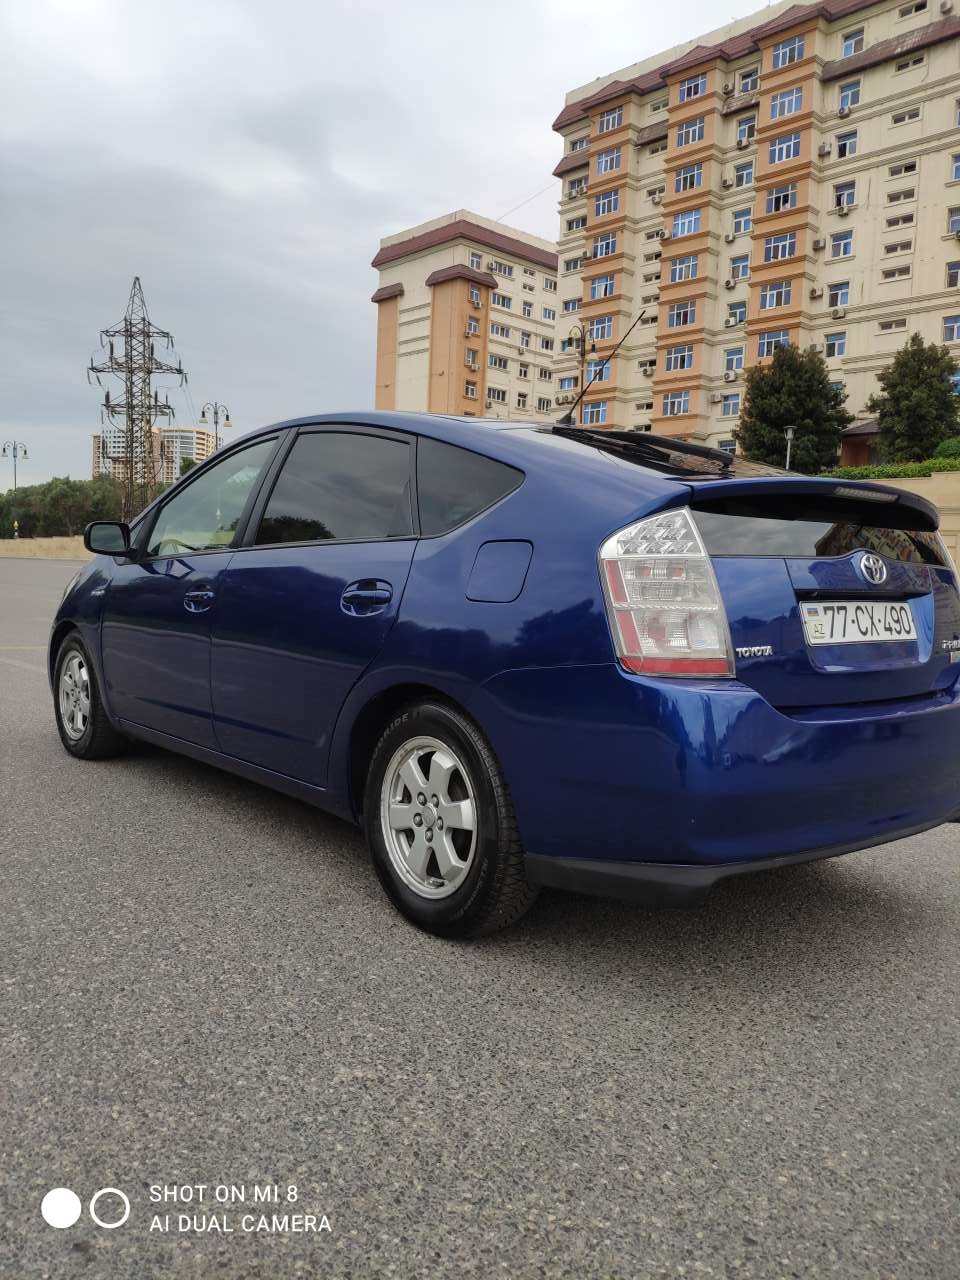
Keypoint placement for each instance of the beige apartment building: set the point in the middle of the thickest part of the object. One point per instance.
(466, 319)
(794, 177)
(171, 446)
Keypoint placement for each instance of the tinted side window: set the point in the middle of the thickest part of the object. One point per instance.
(336, 484)
(454, 484)
(204, 516)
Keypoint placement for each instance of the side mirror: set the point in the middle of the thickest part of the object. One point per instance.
(107, 538)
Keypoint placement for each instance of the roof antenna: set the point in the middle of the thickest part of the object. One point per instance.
(568, 419)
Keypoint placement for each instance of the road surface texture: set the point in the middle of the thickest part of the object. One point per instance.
(203, 984)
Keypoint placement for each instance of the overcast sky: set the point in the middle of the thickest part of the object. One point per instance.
(243, 157)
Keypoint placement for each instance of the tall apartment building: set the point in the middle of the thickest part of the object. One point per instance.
(466, 319)
(793, 179)
(171, 446)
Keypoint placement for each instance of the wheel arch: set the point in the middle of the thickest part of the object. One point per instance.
(57, 637)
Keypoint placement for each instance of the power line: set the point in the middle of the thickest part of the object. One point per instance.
(527, 201)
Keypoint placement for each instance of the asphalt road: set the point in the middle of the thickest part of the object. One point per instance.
(202, 984)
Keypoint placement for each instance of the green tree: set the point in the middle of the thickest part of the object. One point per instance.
(792, 390)
(187, 464)
(916, 406)
(60, 507)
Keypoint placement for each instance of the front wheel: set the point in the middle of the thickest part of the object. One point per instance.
(84, 728)
(440, 826)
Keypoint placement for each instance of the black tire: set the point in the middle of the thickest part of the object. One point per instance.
(99, 740)
(494, 891)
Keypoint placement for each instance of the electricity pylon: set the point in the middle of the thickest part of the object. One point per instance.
(129, 439)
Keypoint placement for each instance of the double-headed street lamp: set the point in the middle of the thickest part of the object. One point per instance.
(216, 409)
(15, 449)
(579, 332)
(789, 432)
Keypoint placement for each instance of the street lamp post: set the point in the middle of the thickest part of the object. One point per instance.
(15, 449)
(580, 331)
(216, 409)
(789, 433)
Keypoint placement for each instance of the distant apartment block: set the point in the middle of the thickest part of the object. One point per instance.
(794, 177)
(467, 313)
(171, 446)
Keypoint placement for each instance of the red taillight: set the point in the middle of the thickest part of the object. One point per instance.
(662, 599)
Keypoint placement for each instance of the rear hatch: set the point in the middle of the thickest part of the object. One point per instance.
(834, 593)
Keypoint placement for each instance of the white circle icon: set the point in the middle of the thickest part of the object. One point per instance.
(110, 1191)
(60, 1208)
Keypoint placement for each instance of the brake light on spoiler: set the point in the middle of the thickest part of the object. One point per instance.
(662, 598)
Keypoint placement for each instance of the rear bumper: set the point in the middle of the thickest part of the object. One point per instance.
(662, 883)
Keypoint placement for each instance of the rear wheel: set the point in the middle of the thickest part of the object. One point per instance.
(84, 728)
(440, 826)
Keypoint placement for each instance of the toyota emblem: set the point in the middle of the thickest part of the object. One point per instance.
(873, 568)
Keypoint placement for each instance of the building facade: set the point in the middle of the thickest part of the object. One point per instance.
(466, 320)
(171, 446)
(795, 179)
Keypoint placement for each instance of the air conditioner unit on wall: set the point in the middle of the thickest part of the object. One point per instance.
(816, 291)
(824, 150)
(819, 244)
(727, 184)
(729, 284)
(730, 375)
(729, 322)
(838, 313)
(843, 112)
(716, 397)
(728, 88)
(729, 237)
(946, 6)
(842, 210)
(656, 199)
(816, 346)
(742, 143)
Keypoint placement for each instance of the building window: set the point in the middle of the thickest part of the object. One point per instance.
(606, 202)
(787, 103)
(844, 194)
(907, 64)
(679, 358)
(743, 174)
(610, 119)
(527, 309)
(898, 246)
(841, 244)
(680, 314)
(728, 446)
(656, 149)
(835, 344)
(768, 342)
(686, 223)
(601, 287)
(521, 399)
(598, 371)
(472, 358)
(568, 382)
(577, 223)
(895, 273)
(908, 10)
(889, 326)
(780, 198)
(787, 51)
(523, 371)
(776, 294)
(953, 275)
(545, 375)
(852, 43)
(476, 261)
(501, 300)
(955, 168)
(846, 145)
(688, 177)
(543, 404)
(576, 188)
(684, 268)
(740, 267)
(692, 87)
(901, 220)
(580, 144)
(549, 313)
(953, 220)
(475, 295)
(838, 295)
(733, 359)
(746, 128)
(780, 246)
(498, 330)
(473, 325)
(902, 170)
(675, 403)
(730, 405)
(608, 161)
(549, 284)
(786, 147)
(470, 390)
(500, 268)
(605, 245)
(595, 412)
(905, 117)
(951, 328)
(546, 344)
(742, 221)
(749, 79)
(572, 264)
(571, 304)
(690, 131)
(497, 395)
(907, 193)
(660, 105)
(737, 312)
(498, 362)
(600, 328)
(849, 95)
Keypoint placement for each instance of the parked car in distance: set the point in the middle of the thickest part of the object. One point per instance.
(521, 655)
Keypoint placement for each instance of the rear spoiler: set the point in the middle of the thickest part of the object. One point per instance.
(788, 497)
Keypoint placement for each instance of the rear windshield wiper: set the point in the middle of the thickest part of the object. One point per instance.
(656, 451)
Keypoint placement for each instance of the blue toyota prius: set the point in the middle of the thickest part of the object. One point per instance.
(521, 655)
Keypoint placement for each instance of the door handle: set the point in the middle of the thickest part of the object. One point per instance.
(199, 600)
(369, 595)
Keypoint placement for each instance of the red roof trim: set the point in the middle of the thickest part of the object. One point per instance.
(460, 272)
(895, 47)
(387, 291)
(463, 229)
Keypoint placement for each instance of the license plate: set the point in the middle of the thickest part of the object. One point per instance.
(857, 621)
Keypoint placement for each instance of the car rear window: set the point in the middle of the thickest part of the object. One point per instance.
(454, 484)
(809, 538)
